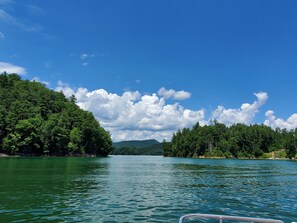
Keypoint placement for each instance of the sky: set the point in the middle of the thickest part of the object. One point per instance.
(148, 68)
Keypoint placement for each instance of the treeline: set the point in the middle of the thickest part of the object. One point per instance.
(37, 121)
(236, 141)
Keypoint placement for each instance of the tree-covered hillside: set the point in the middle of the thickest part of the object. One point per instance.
(135, 143)
(236, 141)
(39, 121)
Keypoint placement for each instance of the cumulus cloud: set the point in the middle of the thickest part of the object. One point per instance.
(177, 95)
(136, 116)
(245, 114)
(37, 79)
(2, 36)
(10, 68)
(272, 121)
(133, 115)
(65, 88)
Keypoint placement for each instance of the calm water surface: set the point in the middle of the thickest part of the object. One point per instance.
(144, 189)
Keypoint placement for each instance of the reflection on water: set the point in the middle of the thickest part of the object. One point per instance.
(144, 189)
(48, 189)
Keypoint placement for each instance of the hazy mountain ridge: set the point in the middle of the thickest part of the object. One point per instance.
(138, 147)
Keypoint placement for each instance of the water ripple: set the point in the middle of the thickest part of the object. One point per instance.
(144, 189)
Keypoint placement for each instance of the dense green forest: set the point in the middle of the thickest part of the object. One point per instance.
(37, 121)
(138, 147)
(236, 141)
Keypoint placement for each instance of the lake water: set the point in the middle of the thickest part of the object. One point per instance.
(144, 189)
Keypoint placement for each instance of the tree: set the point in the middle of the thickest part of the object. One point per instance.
(10, 143)
(238, 140)
(290, 144)
(36, 120)
(75, 141)
(3, 114)
(29, 140)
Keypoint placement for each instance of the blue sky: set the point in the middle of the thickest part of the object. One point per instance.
(148, 68)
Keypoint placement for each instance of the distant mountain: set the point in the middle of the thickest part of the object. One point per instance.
(135, 143)
(138, 147)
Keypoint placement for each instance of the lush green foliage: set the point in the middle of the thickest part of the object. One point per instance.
(138, 147)
(36, 120)
(237, 141)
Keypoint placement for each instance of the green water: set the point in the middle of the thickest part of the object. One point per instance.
(144, 189)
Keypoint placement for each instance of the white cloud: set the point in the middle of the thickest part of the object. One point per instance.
(272, 121)
(245, 114)
(177, 95)
(85, 64)
(2, 36)
(85, 55)
(122, 135)
(37, 79)
(10, 68)
(136, 116)
(67, 90)
(132, 115)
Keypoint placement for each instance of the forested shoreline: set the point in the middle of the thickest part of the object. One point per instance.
(35, 120)
(236, 141)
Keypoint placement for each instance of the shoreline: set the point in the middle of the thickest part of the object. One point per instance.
(243, 158)
(4, 155)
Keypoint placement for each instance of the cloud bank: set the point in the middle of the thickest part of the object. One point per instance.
(10, 68)
(136, 116)
(245, 114)
(290, 123)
